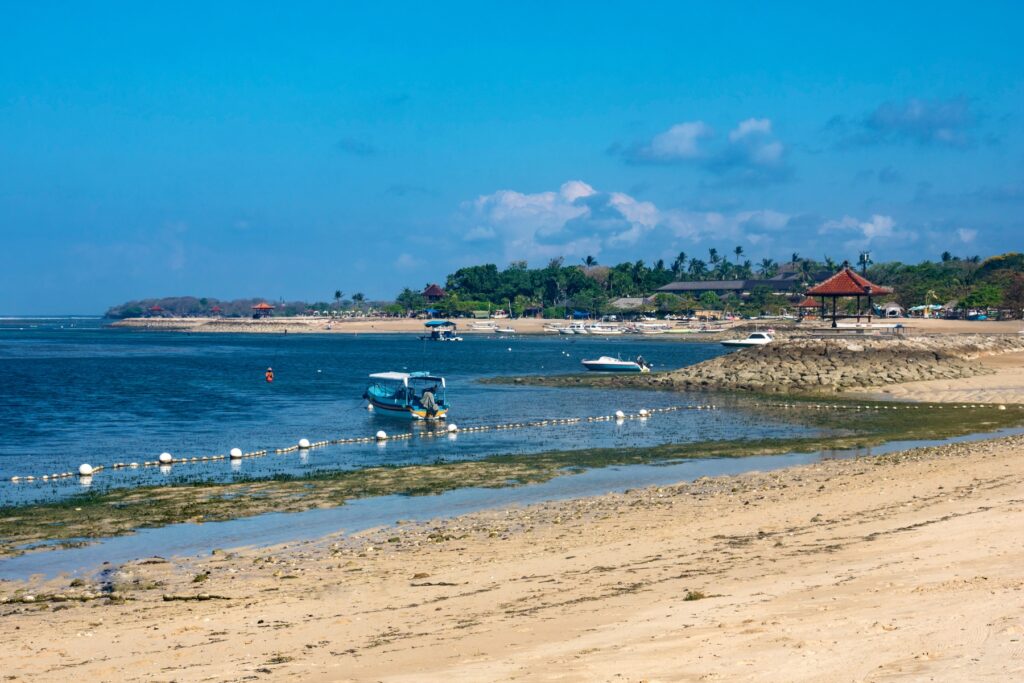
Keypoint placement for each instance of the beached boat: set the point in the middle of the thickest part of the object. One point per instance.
(753, 339)
(609, 364)
(441, 330)
(605, 329)
(484, 327)
(508, 329)
(418, 395)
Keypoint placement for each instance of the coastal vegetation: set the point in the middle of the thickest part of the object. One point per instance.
(835, 425)
(558, 289)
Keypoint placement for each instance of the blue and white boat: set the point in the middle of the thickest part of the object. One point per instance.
(419, 395)
(609, 364)
(441, 330)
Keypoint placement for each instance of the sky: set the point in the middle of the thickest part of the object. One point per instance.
(286, 150)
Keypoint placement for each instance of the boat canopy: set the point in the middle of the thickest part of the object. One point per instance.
(404, 377)
(439, 323)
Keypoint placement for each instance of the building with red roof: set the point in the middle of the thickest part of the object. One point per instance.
(262, 309)
(847, 284)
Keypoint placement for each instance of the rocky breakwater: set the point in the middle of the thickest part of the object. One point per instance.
(842, 364)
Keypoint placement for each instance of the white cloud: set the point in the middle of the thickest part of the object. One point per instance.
(579, 220)
(680, 141)
(750, 127)
(877, 227)
(966, 235)
(406, 261)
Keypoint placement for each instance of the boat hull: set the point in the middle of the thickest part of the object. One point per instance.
(613, 367)
(411, 412)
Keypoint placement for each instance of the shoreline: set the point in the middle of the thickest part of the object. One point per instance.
(118, 511)
(755, 564)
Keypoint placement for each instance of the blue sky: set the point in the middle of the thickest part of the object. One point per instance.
(256, 149)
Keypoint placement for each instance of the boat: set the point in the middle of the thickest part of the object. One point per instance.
(609, 364)
(483, 327)
(508, 329)
(597, 328)
(753, 339)
(441, 330)
(418, 395)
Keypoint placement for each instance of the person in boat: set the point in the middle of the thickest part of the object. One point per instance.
(641, 362)
(428, 401)
(269, 374)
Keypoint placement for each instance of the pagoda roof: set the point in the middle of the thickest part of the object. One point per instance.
(809, 303)
(263, 306)
(433, 290)
(847, 283)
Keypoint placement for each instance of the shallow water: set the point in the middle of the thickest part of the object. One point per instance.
(72, 391)
(358, 515)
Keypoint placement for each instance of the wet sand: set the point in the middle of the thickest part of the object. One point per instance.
(899, 567)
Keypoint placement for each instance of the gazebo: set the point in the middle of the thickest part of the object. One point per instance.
(155, 311)
(216, 310)
(261, 309)
(846, 284)
(808, 306)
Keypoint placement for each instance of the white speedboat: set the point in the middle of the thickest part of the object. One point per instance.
(508, 329)
(609, 364)
(753, 339)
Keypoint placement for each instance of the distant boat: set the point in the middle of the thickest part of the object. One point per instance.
(418, 395)
(441, 330)
(483, 327)
(609, 364)
(505, 330)
(753, 339)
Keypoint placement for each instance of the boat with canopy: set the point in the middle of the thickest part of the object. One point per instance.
(441, 330)
(419, 395)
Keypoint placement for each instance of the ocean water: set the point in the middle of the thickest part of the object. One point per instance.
(74, 391)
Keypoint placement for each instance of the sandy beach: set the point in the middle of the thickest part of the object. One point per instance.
(899, 567)
(320, 325)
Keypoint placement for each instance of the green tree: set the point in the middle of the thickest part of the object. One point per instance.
(738, 251)
(710, 300)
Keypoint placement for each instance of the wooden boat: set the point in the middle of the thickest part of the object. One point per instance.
(418, 395)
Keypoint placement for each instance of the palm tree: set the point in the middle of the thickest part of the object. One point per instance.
(946, 257)
(698, 269)
(739, 252)
(679, 265)
(590, 262)
(358, 298)
(713, 256)
(768, 268)
(795, 258)
(829, 263)
(337, 298)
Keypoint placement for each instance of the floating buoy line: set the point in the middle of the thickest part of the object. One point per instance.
(165, 460)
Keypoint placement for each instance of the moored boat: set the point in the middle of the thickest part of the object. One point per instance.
(609, 364)
(753, 339)
(418, 395)
(441, 330)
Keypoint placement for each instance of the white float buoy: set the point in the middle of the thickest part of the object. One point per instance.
(303, 443)
(619, 415)
(85, 469)
(381, 435)
(369, 406)
(236, 453)
(452, 429)
(133, 465)
(643, 412)
(166, 458)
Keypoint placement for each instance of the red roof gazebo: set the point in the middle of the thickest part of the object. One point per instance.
(261, 309)
(844, 284)
(808, 306)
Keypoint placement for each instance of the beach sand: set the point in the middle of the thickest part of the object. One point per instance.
(1005, 386)
(899, 567)
(319, 325)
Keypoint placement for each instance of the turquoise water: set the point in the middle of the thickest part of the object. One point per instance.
(74, 391)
